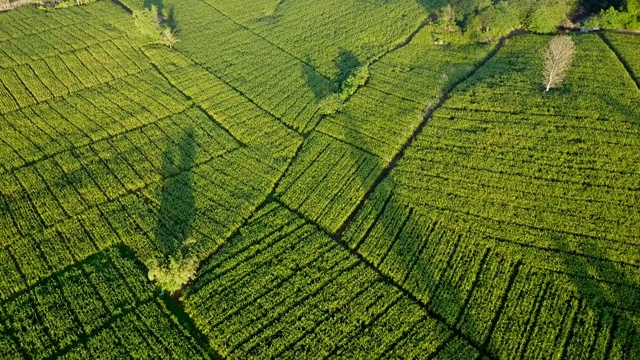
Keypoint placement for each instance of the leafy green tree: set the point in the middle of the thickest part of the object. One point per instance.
(175, 271)
(148, 22)
(168, 38)
(546, 19)
(627, 17)
(494, 21)
(331, 104)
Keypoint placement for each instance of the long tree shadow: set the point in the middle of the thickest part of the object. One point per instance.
(346, 63)
(318, 84)
(388, 228)
(607, 292)
(431, 6)
(159, 4)
(177, 204)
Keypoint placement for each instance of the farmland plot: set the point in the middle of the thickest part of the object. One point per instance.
(516, 211)
(272, 78)
(61, 54)
(348, 150)
(102, 306)
(144, 158)
(329, 32)
(283, 289)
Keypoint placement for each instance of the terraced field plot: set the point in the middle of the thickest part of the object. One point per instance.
(448, 209)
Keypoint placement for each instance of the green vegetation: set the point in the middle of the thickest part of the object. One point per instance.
(282, 289)
(149, 24)
(99, 307)
(300, 178)
(175, 272)
(625, 17)
(627, 49)
(516, 199)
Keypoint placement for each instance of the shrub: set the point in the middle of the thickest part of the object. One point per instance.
(546, 19)
(173, 273)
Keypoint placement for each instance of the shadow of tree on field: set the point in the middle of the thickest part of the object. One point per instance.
(601, 297)
(318, 84)
(177, 204)
(346, 63)
(431, 6)
(616, 302)
(388, 228)
(147, 4)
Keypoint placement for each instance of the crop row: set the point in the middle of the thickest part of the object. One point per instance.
(243, 119)
(340, 32)
(627, 47)
(278, 82)
(29, 20)
(486, 291)
(42, 80)
(281, 289)
(47, 129)
(88, 308)
(447, 182)
(405, 83)
(328, 179)
(105, 23)
(72, 181)
(29, 48)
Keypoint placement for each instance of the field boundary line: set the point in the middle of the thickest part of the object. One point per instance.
(428, 115)
(390, 281)
(266, 40)
(621, 58)
(123, 6)
(189, 98)
(344, 142)
(245, 96)
(84, 339)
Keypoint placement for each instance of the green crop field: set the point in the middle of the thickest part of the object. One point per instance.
(349, 179)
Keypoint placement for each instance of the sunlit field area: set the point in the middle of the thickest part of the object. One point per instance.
(294, 179)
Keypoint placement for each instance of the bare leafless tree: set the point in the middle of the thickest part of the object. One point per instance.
(557, 60)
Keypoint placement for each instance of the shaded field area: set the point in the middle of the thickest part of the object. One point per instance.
(526, 207)
(102, 306)
(354, 186)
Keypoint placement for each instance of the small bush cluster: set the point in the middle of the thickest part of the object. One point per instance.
(627, 17)
(332, 103)
(149, 23)
(175, 271)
